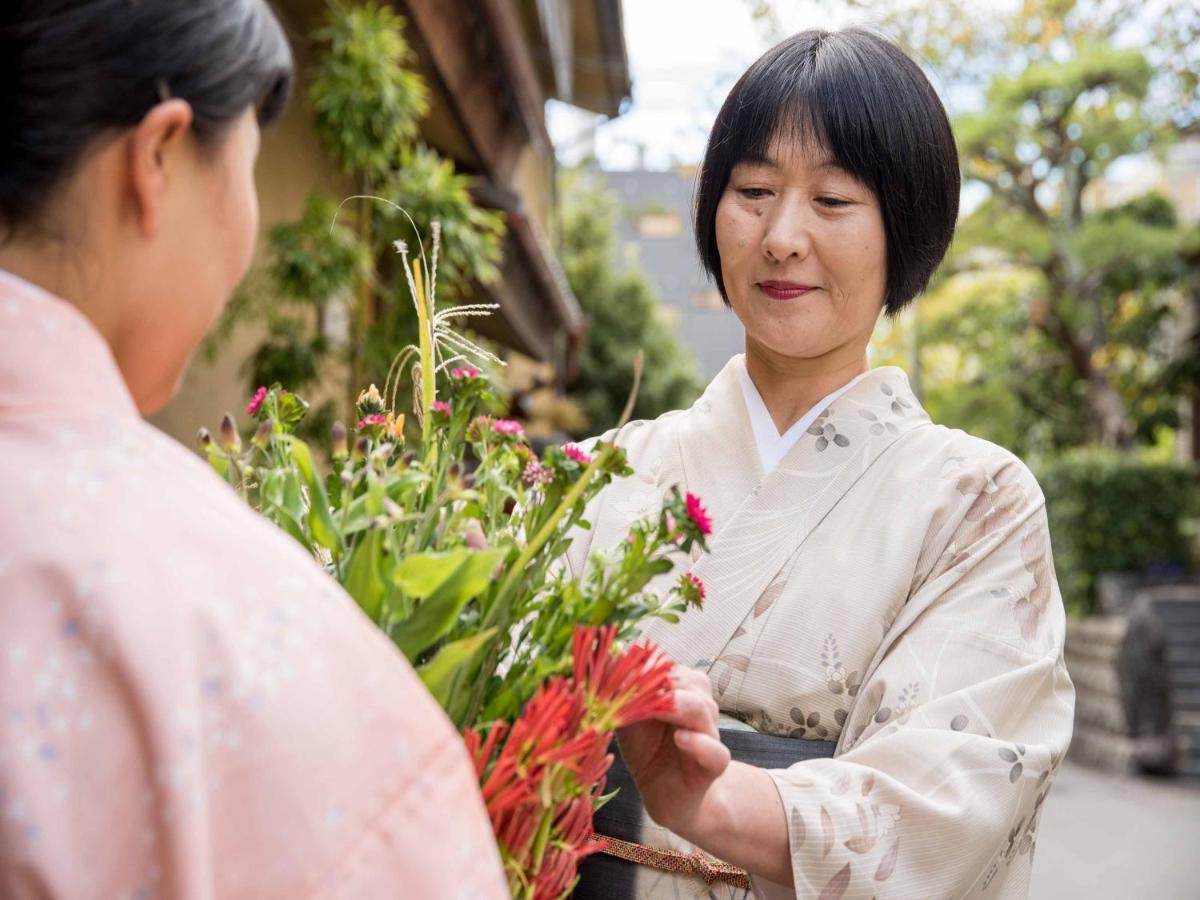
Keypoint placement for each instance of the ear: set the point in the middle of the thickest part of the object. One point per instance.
(156, 145)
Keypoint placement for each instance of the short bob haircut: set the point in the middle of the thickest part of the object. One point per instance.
(870, 107)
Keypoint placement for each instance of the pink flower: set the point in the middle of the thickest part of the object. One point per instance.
(672, 526)
(440, 406)
(535, 473)
(698, 584)
(464, 373)
(368, 421)
(576, 454)
(698, 515)
(256, 401)
(507, 426)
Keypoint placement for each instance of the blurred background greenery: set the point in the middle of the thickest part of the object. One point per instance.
(1063, 324)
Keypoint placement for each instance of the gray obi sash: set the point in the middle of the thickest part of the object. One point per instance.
(603, 876)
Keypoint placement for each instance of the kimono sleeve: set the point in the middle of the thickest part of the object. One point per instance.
(956, 733)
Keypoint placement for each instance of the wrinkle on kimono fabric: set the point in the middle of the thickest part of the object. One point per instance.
(189, 706)
(888, 586)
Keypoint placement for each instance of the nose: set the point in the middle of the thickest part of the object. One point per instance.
(788, 233)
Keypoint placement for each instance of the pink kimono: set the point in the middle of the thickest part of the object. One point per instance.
(189, 706)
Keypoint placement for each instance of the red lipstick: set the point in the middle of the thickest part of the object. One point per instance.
(784, 290)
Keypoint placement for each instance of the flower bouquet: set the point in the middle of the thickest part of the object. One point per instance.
(452, 543)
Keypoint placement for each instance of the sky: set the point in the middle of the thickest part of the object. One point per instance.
(684, 56)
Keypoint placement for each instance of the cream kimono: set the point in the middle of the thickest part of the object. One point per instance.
(888, 586)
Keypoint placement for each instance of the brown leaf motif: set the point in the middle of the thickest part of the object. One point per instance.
(827, 835)
(887, 865)
(799, 829)
(836, 888)
(768, 597)
(1035, 556)
(731, 661)
(865, 839)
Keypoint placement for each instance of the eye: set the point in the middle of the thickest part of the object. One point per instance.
(754, 193)
(832, 202)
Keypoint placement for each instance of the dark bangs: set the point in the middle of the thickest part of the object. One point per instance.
(873, 112)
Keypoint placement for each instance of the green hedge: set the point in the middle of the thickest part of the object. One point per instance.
(1115, 513)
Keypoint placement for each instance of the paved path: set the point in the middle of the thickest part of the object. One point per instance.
(1106, 837)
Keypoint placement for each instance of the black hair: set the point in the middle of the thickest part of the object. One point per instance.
(871, 108)
(74, 70)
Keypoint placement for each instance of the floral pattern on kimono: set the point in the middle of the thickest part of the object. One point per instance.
(891, 585)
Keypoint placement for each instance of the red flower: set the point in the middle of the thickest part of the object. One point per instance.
(440, 406)
(547, 772)
(576, 454)
(368, 421)
(624, 689)
(693, 588)
(698, 515)
(256, 401)
(464, 373)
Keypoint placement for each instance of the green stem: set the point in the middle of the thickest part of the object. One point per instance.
(425, 345)
(539, 540)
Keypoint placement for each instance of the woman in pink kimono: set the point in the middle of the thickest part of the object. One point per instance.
(881, 644)
(189, 707)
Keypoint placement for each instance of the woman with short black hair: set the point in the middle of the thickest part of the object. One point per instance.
(189, 705)
(880, 650)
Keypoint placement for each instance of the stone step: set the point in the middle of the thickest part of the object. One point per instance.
(1183, 653)
(1187, 722)
(1179, 615)
(1184, 677)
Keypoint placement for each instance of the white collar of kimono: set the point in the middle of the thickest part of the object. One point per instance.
(773, 446)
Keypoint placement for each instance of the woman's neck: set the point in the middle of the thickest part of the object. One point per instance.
(791, 387)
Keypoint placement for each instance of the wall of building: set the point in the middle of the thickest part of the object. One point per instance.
(290, 166)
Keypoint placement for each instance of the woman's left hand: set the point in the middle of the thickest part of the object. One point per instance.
(677, 757)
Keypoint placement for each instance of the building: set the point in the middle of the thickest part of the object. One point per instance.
(490, 66)
(655, 233)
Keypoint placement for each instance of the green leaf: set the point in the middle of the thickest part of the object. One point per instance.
(320, 519)
(448, 581)
(364, 575)
(439, 673)
(420, 574)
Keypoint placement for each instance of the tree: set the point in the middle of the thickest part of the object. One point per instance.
(622, 313)
(367, 107)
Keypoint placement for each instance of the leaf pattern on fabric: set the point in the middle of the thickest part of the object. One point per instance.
(876, 819)
(878, 426)
(835, 674)
(827, 433)
(827, 835)
(836, 888)
(875, 713)
(996, 498)
(731, 661)
(887, 865)
(768, 597)
(799, 831)
(1036, 557)
(1023, 838)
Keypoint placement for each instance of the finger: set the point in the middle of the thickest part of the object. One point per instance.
(693, 711)
(705, 751)
(691, 677)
